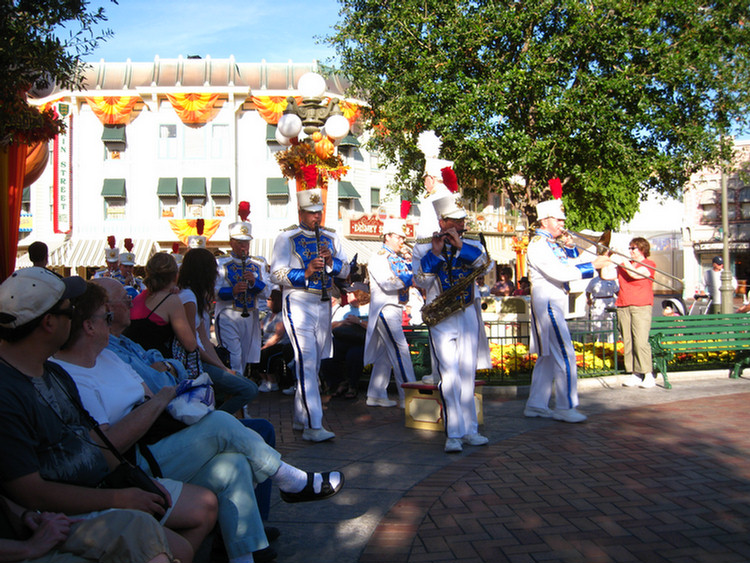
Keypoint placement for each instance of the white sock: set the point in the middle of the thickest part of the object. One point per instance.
(291, 479)
(247, 558)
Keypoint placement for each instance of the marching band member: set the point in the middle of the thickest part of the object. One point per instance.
(304, 267)
(112, 257)
(385, 343)
(551, 267)
(240, 285)
(133, 285)
(440, 263)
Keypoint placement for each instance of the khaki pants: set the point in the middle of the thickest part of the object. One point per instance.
(634, 324)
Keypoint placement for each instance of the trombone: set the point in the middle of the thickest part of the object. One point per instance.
(613, 251)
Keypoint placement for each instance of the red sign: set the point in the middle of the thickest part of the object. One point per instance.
(370, 227)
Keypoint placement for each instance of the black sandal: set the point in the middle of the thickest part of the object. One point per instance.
(308, 493)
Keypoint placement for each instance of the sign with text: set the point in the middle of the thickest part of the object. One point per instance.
(62, 180)
(369, 227)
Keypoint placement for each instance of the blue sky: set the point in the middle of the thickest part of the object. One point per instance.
(251, 30)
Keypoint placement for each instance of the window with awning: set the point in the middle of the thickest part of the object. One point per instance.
(220, 187)
(349, 141)
(347, 191)
(193, 187)
(114, 188)
(113, 134)
(277, 187)
(270, 133)
(167, 187)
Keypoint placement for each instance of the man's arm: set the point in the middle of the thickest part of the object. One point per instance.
(36, 493)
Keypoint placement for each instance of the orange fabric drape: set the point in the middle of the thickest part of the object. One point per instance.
(12, 171)
(184, 228)
(350, 111)
(271, 108)
(194, 108)
(113, 110)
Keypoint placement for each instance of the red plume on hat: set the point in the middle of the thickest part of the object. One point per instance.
(111, 241)
(175, 247)
(244, 210)
(405, 207)
(128, 244)
(556, 187)
(449, 179)
(199, 223)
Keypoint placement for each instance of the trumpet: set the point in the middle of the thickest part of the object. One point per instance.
(323, 277)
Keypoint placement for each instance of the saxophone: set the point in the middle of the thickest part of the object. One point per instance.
(447, 303)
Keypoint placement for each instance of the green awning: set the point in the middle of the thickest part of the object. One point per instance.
(277, 187)
(347, 191)
(193, 187)
(167, 187)
(114, 187)
(113, 134)
(26, 196)
(349, 141)
(220, 187)
(270, 132)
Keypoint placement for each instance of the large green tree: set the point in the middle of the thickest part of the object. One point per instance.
(41, 43)
(614, 97)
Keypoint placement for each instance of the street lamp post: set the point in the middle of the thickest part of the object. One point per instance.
(726, 289)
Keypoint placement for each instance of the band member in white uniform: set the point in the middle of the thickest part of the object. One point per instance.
(552, 265)
(385, 344)
(304, 271)
(439, 263)
(241, 285)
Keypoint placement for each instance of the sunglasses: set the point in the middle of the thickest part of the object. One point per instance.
(108, 317)
(633, 247)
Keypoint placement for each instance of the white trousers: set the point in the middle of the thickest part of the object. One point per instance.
(307, 321)
(454, 343)
(392, 353)
(556, 363)
(240, 336)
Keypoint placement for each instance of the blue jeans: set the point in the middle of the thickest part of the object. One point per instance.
(241, 389)
(221, 454)
(263, 490)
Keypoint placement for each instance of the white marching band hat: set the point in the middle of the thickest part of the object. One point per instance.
(127, 259)
(450, 207)
(395, 226)
(241, 230)
(550, 208)
(310, 200)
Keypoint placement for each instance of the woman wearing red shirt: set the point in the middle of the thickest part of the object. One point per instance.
(634, 308)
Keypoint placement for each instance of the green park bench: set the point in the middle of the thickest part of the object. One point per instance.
(671, 336)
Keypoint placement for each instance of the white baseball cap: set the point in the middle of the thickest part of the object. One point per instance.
(31, 292)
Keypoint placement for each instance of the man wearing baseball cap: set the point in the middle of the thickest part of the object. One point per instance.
(306, 258)
(553, 263)
(712, 283)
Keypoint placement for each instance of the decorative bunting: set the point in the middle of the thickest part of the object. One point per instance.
(271, 108)
(194, 108)
(351, 111)
(113, 110)
(184, 228)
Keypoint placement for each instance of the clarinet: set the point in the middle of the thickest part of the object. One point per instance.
(245, 312)
(323, 277)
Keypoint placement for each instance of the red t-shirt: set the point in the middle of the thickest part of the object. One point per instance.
(636, 292)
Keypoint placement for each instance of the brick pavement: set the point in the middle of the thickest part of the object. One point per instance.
(665, 481)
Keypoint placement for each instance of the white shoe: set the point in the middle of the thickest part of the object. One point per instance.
(317, 434)
(534, 412)
(453, 445)
(475, 439)
(264, 387)
(648, 382)
(632, 381)
(289, 391)
(568, 415)
(429, 380)
(378, 402)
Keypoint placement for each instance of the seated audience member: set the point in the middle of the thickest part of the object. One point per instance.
(524, 287)
(276, 348)
(343, 370)
(197, 280)
(217, 451)
(38, 254)
(53, 459)
(504, 285)
(114, 536)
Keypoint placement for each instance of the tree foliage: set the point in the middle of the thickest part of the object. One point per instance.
(33, 55)
(614, 97)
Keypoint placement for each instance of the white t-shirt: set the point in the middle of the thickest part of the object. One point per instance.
(188, 296)
(109, 390)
